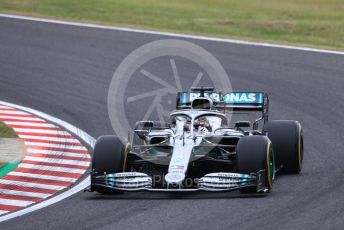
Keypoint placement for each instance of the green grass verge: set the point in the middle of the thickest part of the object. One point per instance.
(6, 168)
(314, 23)
(6, 131)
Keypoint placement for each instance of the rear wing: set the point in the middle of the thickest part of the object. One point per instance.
(232, 101)
(239, 101)
(251, 101)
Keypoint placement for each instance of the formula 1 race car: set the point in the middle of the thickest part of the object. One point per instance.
(199, 150)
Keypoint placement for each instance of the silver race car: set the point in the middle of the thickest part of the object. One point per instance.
(201, 149)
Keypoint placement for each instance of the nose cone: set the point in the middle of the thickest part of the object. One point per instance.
(174, 178)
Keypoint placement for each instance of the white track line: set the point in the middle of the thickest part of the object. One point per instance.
(4, 117)
(57, 161)
(57, 153)
(23, 123)
(178, 35)
(62, 145)
(76, 188)
(59, 139)
(21, 203)
(21, 193)
(14, 112)
(31, 185)
(40, 176)
(51, 168)
(3, 212)
(41, 131)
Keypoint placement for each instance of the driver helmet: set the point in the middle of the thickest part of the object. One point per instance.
(201, 123)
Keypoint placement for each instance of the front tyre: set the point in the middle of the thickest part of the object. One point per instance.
(109, 156)
(253, 154)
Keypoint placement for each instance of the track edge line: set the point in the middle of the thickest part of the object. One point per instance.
(170, 34)
(76, 188)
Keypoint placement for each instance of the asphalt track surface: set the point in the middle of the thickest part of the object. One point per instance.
(65, 71)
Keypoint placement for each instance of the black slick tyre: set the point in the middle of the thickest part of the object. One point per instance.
(254, 153)
(109, 156)
(287, 139)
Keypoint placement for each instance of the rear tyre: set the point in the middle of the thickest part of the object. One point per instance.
(109, 156)
(255, 153)
(287, 139)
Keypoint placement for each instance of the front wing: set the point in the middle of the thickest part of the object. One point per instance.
(213, 182)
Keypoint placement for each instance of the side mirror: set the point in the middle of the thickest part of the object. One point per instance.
(242, 124)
